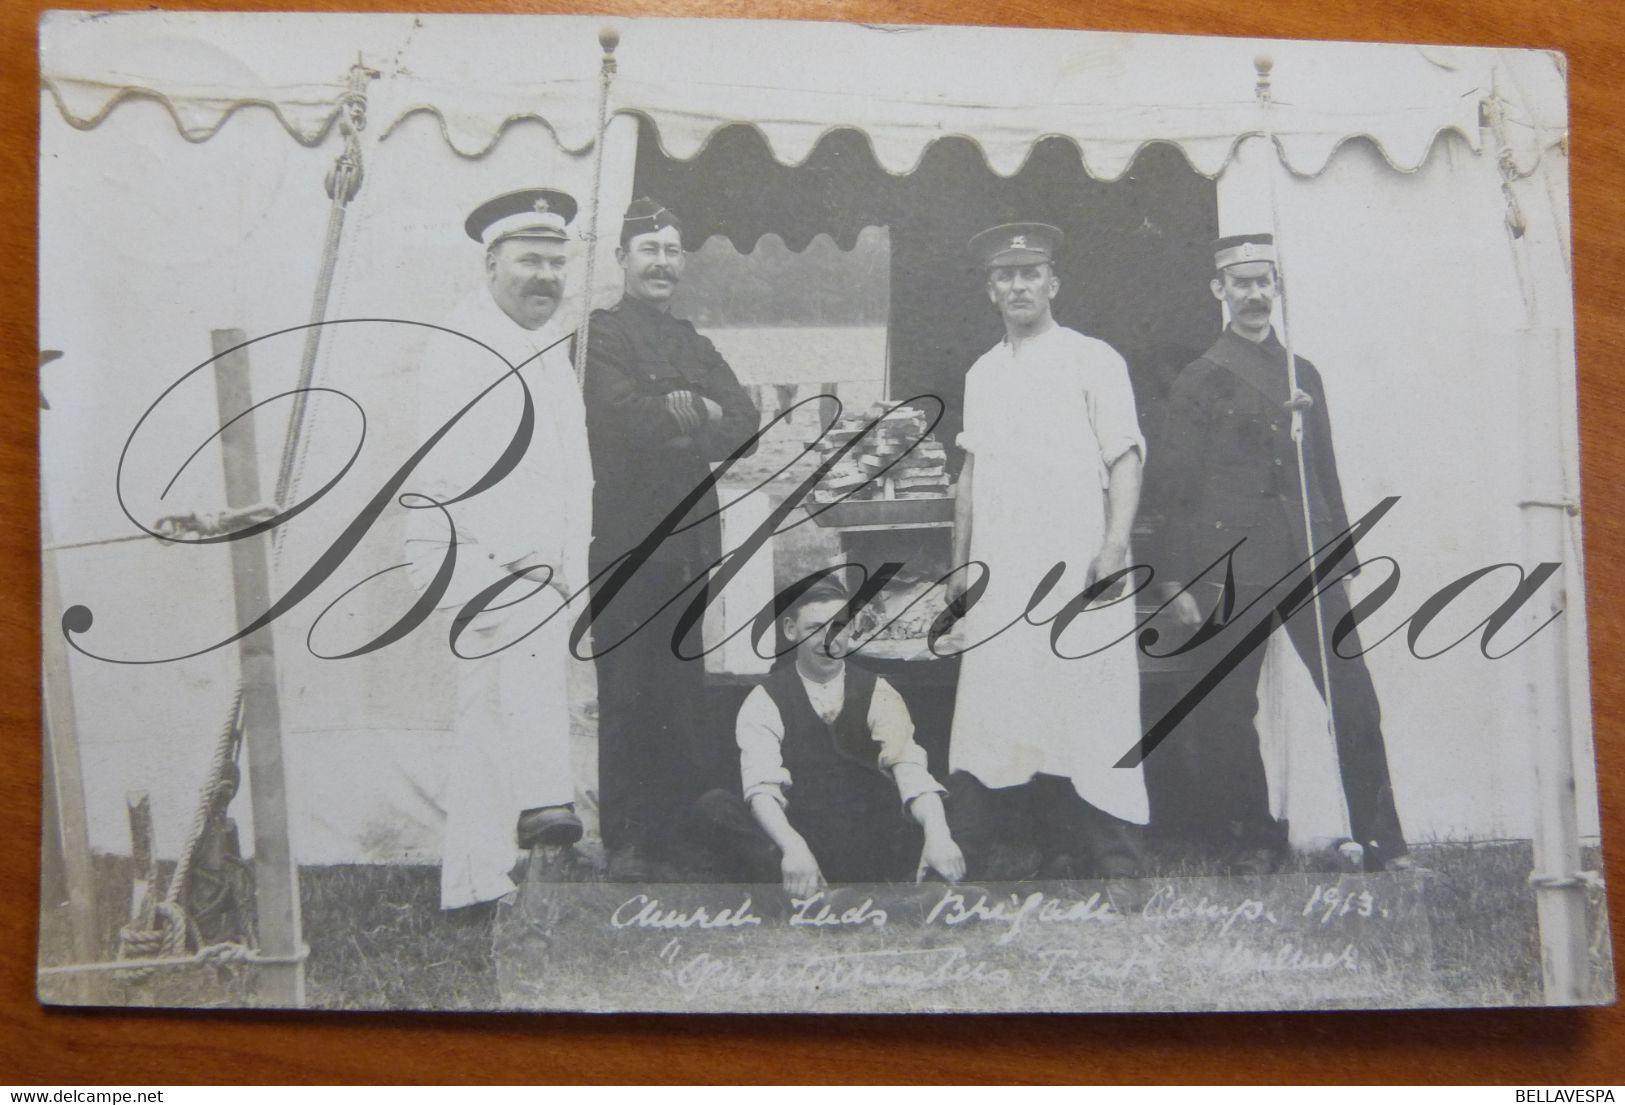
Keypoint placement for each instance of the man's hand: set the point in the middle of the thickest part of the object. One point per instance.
(943, 856)
(940, 854)
(1301, 401)
(800, 870)
(1111, 559)
(687, 409)
(1186, 612)
(713, 412)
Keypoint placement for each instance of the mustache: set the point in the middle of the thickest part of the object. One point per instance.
(660, 272)
(550, 288)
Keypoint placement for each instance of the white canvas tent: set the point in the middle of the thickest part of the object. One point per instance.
(1400, 172)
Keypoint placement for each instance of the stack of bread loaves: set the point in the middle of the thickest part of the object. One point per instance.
(896, 458)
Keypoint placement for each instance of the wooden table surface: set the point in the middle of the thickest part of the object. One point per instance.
(1532, 1047)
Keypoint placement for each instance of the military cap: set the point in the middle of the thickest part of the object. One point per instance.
(645, 216)
(1016, 244)
(526, 213)
(829, 588)
(1239, 249)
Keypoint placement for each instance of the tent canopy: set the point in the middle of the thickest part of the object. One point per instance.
(1109, 94)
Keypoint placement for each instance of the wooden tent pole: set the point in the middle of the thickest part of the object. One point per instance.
(608, 39)
(65, 828)
(276, 879)
(1551, 526)
(1560, 885)
(1263, 90)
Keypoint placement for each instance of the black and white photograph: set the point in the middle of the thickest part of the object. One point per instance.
(610, 514)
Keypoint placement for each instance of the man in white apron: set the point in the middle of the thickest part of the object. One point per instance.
(509, 783)
(1051, 477)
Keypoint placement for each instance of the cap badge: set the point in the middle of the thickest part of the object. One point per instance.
(1019, 242)
(541, 207)
(1247, 250)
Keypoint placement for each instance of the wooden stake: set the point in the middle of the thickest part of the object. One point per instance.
(276, 879)
(144, 889)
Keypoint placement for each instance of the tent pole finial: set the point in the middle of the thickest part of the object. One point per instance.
(1262, 65)
(608, 38)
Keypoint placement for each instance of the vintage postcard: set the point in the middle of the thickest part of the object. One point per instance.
(586, 513)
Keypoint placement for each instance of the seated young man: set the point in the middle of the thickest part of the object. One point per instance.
(830, 770)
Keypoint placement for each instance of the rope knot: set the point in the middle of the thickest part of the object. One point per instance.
(167, 939)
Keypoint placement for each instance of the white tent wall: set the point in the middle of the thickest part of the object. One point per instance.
(149, 243)
(1412, 278)
(227, 232)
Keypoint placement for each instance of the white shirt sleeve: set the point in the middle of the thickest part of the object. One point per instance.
(439, 395)
(971, 413)
(759, 731)
(890, 724)
(455, 373)
(574, 467)
(1112, 412)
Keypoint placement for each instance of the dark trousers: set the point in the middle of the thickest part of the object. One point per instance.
(1212, 762)
(657, 749)
(851, 846)
(1010, 833)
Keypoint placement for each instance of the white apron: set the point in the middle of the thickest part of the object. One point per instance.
(1044, 421)
(512, 749)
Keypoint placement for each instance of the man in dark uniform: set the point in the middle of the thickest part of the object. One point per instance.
(662, 405)
(1230, 474)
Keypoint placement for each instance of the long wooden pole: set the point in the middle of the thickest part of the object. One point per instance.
(276, 879)
(1559, 885)
(1551, 514)
(67, 837)
(1265, 93)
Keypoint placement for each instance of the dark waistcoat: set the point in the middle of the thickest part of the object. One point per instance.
(834, 768)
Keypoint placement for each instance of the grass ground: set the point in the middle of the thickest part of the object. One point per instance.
(379, 941)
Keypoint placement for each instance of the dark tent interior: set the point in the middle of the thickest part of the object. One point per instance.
(1134, 272)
